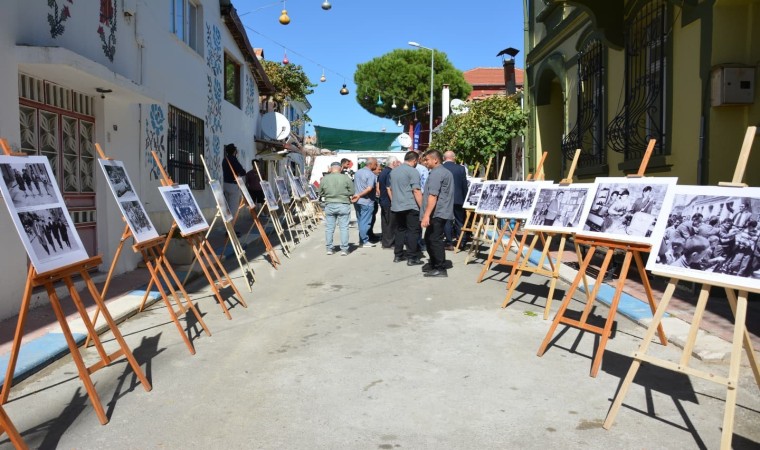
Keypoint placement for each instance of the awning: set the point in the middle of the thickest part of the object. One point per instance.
(337, 139)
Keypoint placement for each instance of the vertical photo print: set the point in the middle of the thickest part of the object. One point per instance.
(39, 213)
(519, 199)
(473, 194)
(129, 203)
(559, 208)
(491, 197)
(627, 209)
(282, 189)
(183, 208)
(298, 191)
(710, 233)
(246, 193)
(269, 196)
(221, 202)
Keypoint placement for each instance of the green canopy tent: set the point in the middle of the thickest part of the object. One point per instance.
(337, 139)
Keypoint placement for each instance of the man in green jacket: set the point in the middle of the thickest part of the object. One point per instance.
(337, 190)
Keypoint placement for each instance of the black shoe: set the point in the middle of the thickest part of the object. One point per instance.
(427, 268)
(437, 273)
(448, 264)
(414, 262)
(399, 259)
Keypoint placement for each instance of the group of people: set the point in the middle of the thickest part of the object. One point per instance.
(48, 232)
(407, 204)
(29, 182)
(730, 245)
(619, 209)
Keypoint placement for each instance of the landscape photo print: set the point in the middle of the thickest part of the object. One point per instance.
(519, 199)
(559, 208)
(129, 203)
(710, 233)
(183, 208)
(39, 213)
(491, 197)
(627, 209)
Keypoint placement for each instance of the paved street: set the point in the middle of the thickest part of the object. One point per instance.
(359, 352)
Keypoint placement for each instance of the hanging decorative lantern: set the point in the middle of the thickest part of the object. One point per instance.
(406, 107)
(284, 19)
(379, 101)
(393, 105)
(344, 90)
(399, 122)
(323, 78)
(285, 59)
(414, 108)
(326, 5)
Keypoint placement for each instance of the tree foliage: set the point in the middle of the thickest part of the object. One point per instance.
(289, 81)
(486, 128)
(404, 76)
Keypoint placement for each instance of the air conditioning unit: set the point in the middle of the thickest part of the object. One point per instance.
(732, 85)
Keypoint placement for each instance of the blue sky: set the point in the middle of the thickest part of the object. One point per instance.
(356, 31)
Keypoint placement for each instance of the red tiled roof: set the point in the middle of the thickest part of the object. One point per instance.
(490, 76)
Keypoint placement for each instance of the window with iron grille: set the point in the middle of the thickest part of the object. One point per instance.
(643, 114)
(184, 149)
(588, 132)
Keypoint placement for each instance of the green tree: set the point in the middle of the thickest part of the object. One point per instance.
(289, 81)
(482, 131)
(404, 76)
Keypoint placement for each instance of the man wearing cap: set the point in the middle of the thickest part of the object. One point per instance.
(337, 190)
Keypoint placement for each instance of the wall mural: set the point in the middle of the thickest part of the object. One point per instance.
(58, 17)
(213, 152)
(108, 20)
(250, 95)
(154, 139)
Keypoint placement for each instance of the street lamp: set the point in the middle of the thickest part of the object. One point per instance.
(432, 61)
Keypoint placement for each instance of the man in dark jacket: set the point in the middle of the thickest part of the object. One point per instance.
(454, 227)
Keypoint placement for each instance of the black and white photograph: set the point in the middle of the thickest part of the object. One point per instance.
(28, 183)
(282, 188)
(47, 232)
(491, 197)
(221, 202)
(559, 208)
(138, 220)
(519, 199)
(298, 190)
(184, 208)
(313, 193)
(308, 188)
(473, 194)
(118, 179)
(710, 233)
(247, 195)
(627, 209)
(269, 196)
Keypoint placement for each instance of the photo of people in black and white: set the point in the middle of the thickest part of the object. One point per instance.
(221, 202)
(473, 194)
(49, 233)
(29, 183)
(559, 207)
(628, 208)
(491, 197)
(184, 208)
(138, 220)
(118, 179)
(282, 188)
(298, 190)
(308, 188)
(269, 195)
(518, 200)
(715, 235)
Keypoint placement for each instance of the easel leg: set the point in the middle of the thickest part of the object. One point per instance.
(227, 277)
(468, 213)
(740, 316)
(515, 273)
(648, 290)
(494, 246)
(10, 429)
(555, 272)
(17, 337)
(210, 279)
(657, 318)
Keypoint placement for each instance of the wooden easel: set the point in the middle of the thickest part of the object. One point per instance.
(632, 251)
(215, 273)
(274, 219)
(6, 426)
(299, 204)
(160, 270)
(48, 279)
(524, 264)
(514, 231)
(471, 216)
(485, 229)
(738, 305)
(273, 259)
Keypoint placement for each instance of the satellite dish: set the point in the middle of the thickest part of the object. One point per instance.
(458, 106)
(404, 140)
(275, 126)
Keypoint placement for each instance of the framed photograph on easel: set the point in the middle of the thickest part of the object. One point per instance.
(473, 194)
(559, 208)
(269, 196)
(519, 199)
(282, 188)
(216, 189)
(183, 208)
(247, 195)
(129, 203)
(39, 213)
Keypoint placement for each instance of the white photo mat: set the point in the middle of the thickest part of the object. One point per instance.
(269, 196)
(613, 214)
(221, 202)
(519, 199)
(474, 191)
(129, 202)
(282, 189)
(491, 197)
(722, 248)
(564, 214)
(184, 208)
(39, 213)
(247, 195)
(296, 186)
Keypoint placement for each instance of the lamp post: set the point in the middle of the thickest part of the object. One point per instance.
(430, 105)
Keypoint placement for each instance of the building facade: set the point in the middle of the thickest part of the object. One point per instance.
(608, 76)
(175, 77)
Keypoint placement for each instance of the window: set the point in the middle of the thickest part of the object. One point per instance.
(187, 23)
(231, 80)
(184, 149)
(643, 114)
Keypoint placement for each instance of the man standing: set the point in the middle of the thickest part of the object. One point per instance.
(553, 210)
(645, 202)
(406, 199)
(387, 225)
(437, 208)
(337, 191)
(364, 199)
(454, 227)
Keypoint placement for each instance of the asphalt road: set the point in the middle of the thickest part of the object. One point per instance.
(360, 352)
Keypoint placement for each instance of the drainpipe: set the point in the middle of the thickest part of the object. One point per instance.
(701, 160)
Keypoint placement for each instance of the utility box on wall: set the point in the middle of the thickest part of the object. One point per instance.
(732, 85)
